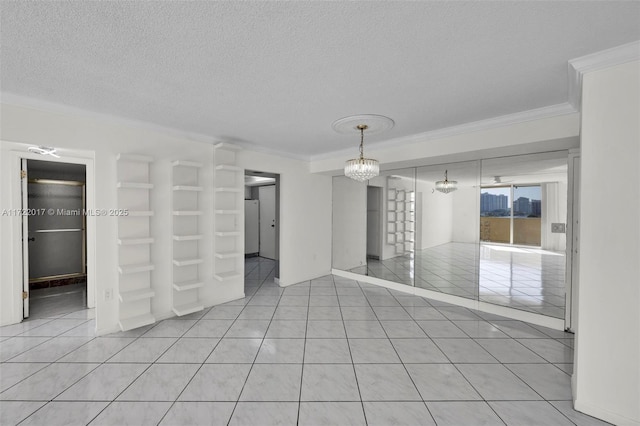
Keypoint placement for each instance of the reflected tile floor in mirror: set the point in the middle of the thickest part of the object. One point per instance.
(528, 279)
(329, 351)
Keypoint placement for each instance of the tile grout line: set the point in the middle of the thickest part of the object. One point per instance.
(353, 365)
(304, 352)
(263, 337)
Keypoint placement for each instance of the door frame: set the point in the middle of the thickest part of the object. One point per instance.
(573, 237)
(17, 261)
(275, 220)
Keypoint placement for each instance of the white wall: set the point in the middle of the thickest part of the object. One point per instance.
(554, 210)
(349, 230)
(434, 220)
(607, 365)
(305, 242)
(305, 216)
(466, 215)
(22, 127)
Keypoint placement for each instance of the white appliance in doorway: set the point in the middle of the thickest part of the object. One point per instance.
(267, 196)
(251, 227)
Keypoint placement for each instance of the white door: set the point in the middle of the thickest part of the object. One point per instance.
(251, 227)
(267, 197)
(24, 182)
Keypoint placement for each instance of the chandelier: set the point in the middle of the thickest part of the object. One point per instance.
(446, 186)
(361, 168)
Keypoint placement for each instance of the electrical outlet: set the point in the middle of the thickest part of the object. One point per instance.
(108, 294)
(558, 228)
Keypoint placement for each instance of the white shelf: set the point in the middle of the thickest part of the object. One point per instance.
(133, 295)
(229, 168)
(228, 254)
(227, 146)
(135, 322)
(227, 211)
(188, 285)
(135, 185)
(188, 308)
(223, 189)
(187, 212)
(226, 276)
(227, 233)
(135, 268)
(193, 237)
(187, 262)
(187, 188)
(135, 158)
(186, 163)
(135, 241)
(139, 213)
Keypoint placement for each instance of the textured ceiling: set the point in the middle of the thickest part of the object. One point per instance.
(277, 74)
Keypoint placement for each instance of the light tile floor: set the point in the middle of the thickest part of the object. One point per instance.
(330, 351)
(528, 279)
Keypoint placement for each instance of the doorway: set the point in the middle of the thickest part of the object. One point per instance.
(54, 238)
(374, 222)
(262, 214)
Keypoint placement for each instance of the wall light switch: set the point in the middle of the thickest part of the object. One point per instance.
(558, 228)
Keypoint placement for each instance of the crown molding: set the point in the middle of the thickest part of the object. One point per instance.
(596, 61)
(9, 98)
(57, 108)
(474, 126)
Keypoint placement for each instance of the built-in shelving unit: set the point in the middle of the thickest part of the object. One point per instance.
(187, 237)
(228, 210)
(134, 241)
(401, 219)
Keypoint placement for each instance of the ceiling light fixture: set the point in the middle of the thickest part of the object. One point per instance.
(446, 186)
(361, 168)
(43, 150)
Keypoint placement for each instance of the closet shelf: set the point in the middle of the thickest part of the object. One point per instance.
(186, 163)
(188, 285)
(139, 213)
(135, 158)
(227, 189)
(193, 237)
(187, 262)
(228, 254)
(227, 211)
(188, 308)
(133, 295)
(187, 212)
(227, 233)
(135, 322)
(188, 188)
(135, 185)
(135, 241)
(135, 268)
(229, 168)
(227, 146)
(226, 276)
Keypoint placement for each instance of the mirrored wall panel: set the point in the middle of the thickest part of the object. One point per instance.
(391, 226)
(523, 210)
(491, 230)
(447, 228)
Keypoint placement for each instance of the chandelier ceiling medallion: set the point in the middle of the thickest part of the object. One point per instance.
(446, 186)
(362, 168)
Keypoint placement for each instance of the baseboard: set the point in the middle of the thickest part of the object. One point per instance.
(603, 414)
(170, 314)
(105, 331)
